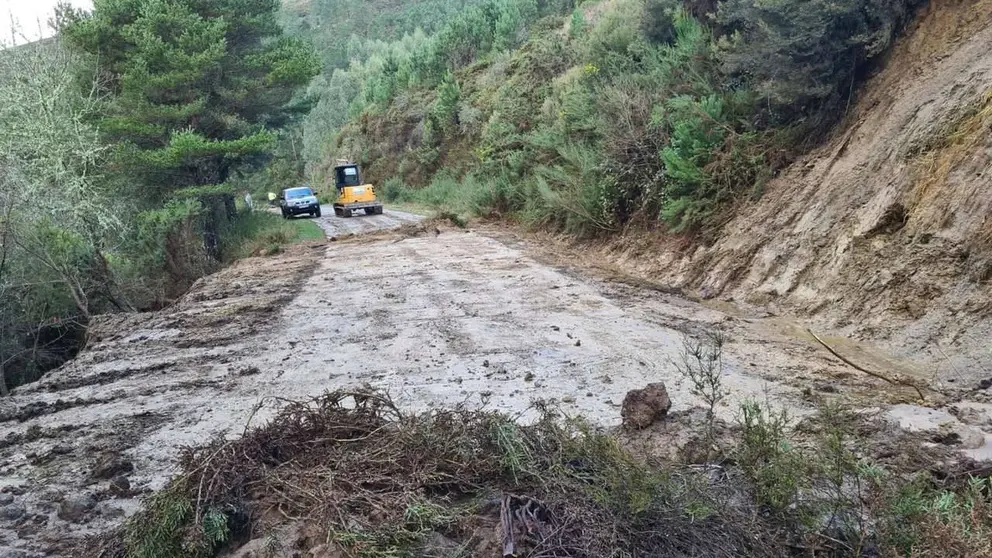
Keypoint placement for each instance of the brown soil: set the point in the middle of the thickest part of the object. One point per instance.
(439, 317)
(882, 235)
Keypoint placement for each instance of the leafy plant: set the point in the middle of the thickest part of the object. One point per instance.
(702, 364)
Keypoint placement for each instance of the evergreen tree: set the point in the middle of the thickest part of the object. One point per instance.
(195, 87)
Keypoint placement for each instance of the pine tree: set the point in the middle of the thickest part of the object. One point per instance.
(195, 89)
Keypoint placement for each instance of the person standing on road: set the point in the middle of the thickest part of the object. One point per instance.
(248, 202)
(272, 198)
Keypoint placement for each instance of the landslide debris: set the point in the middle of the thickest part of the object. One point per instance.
(350, 474)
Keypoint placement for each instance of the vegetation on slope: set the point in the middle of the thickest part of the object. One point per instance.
(589, 118)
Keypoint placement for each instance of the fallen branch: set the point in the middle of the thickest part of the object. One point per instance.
(895, 382)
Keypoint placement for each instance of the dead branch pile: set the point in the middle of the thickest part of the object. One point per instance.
(367, 474)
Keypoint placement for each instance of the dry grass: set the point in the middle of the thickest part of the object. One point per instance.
(932, 203)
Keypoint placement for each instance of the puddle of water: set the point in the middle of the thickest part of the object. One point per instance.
(920, 419)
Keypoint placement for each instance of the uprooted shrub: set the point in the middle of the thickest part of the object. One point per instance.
(376, 481)
(374, 478)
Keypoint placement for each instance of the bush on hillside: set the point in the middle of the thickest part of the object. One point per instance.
(681, 108)
(803, 58)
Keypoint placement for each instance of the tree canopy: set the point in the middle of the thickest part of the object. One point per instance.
(195, 87)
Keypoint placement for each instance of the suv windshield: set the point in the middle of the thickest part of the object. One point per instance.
(297, 193)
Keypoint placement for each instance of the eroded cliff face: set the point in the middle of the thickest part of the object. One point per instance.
(885, 232)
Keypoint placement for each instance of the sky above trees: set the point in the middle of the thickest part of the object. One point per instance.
(24, 21)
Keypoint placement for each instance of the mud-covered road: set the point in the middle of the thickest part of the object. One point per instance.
(438, 318)
(336, 227)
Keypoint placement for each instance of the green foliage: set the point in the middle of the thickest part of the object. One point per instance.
(260, 233)
(136, 164)
(194, 85)
(54, 270)
(513, 452)
(768, 458)
(921, 518)
(394, 191)
(578, 24)
(170, 526)
(416, 60)
(644, 111)
(344, 30)
(802, 58)
(446, 107)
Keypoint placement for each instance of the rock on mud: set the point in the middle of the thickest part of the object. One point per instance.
(120, 485)
(110, 466)
(643, 407)
(75, 507)
(12, 512)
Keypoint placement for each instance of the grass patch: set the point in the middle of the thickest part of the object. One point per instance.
(261, 233)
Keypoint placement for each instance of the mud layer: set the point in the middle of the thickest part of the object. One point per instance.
(437, 318)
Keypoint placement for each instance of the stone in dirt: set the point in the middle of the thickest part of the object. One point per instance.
(12, 512)
(120, 485)
(643, 407)
(74, 508)
(110, 466)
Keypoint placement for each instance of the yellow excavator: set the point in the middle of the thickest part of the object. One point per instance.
(353, 195)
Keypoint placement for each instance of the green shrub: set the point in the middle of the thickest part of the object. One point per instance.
(394, 190)
(170, 526)
(263, 233)
(769, 459)
(802, 58)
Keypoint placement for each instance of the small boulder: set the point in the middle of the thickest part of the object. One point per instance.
(12, 512)
(120, 485)
(643, 407)
(110, 466)
(73, 508)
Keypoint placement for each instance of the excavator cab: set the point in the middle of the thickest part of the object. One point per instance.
(353, 195)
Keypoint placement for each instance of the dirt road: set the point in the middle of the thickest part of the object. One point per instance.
(437, 318)
(361, 224)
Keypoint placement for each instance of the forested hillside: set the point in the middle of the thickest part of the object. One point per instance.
(590, 116)
(122, 146)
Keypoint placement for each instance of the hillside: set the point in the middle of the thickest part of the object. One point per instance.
(339, 28)
(884, 232)
(850, 198)
(671, 278)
